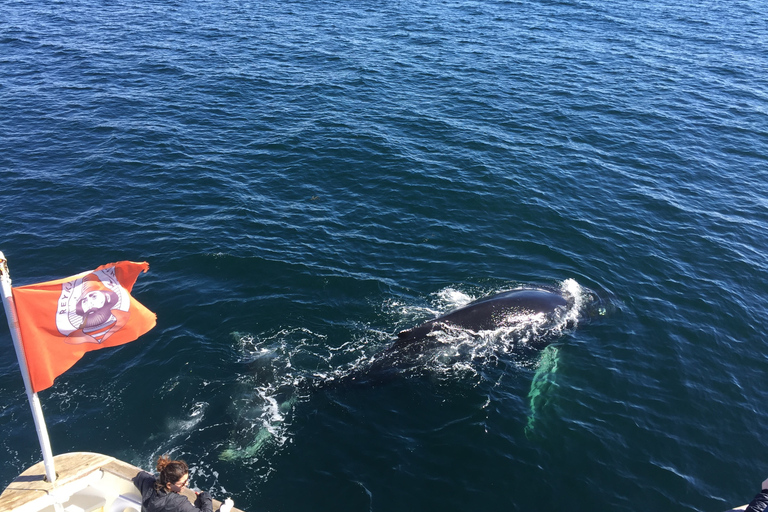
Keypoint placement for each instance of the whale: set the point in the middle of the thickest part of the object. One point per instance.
(512, 309)
(528, 319)
(531, 317)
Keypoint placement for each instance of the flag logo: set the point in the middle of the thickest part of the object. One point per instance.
(92, 308)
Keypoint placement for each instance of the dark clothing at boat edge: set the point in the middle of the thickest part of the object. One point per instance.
(759, 503)
(160, 501)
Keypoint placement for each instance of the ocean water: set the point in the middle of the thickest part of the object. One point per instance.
(307, 178)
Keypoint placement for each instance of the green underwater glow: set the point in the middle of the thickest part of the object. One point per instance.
(543, 381)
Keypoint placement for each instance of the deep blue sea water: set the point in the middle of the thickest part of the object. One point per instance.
(306, 178)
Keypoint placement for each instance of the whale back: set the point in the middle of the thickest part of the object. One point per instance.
(489, 313)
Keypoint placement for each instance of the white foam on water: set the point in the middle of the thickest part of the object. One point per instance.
(452, 298)
(279, 363)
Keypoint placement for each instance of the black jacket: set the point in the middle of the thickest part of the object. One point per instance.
(759, 503)
(161, 501)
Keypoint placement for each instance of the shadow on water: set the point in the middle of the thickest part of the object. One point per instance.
(283, 369)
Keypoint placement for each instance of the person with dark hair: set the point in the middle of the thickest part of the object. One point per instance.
(760, 502)
(162, 493)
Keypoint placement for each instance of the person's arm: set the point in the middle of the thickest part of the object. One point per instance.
(143, 481)
(760, 502)
(203, 502)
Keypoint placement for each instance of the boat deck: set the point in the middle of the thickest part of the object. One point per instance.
(86, 482)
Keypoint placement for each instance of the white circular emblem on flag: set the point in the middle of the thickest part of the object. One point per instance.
(87, 306)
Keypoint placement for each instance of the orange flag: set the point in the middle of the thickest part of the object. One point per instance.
(62, 320)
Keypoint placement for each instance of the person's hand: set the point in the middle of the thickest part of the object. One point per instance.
(764, 484)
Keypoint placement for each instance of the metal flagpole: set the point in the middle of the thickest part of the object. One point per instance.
(34, 402)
